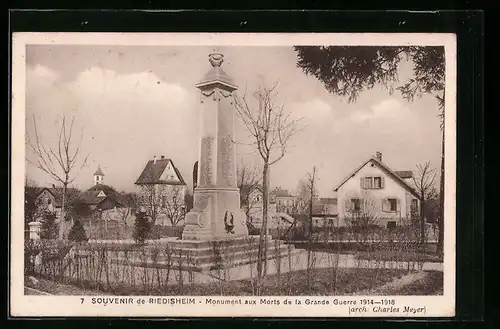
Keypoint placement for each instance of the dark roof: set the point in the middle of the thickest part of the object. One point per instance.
(277, 192)
(91, 197)
(250, 187)
(102, 187)
(99, 171)
(125, 199)
(32, 191)
(384, 167)
(404, 173)
(57, 192)
(153, 171)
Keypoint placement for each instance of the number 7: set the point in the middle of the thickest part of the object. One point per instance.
(82, 300)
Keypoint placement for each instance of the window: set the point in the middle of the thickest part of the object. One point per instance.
(49, 202)
(391, 225)
(414, 204)
(393, 204)
(356, 204)
(370, 182)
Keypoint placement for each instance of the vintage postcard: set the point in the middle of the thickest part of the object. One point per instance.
(233, 175)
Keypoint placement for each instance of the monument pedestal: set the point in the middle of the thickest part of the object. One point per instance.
(206, 256)
(216, 215)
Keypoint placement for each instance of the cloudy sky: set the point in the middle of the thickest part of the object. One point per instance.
(134, 102)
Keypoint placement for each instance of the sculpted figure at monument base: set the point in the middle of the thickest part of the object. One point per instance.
(216, 215)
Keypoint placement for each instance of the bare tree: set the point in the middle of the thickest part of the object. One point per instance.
(121, 215)
(173, 204)
(312, 193)
(424, 183)
(271, 129)
(59, 162)
(158, 200)
(311, 180)
(248, 180)
(360, 215)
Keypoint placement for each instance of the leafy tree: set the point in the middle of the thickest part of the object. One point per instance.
(142, 228)
(347, 71)
(77, 232)
(49, 229)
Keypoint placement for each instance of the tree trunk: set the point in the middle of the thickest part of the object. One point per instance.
(265, 203)
(441, 200)
(62, 219)
(311, 215)
(263, 226)
(422, 219)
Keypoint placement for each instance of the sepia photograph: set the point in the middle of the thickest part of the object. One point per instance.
(217, 171)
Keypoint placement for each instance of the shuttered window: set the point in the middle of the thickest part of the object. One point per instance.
(391, 205)
(369, 182)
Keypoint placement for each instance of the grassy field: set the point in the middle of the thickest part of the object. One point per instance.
(431, 284)
(322, 281)
(399, 256)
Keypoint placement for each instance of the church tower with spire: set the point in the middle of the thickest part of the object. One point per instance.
(98, 176)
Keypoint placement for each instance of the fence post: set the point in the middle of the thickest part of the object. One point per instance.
(35, 229)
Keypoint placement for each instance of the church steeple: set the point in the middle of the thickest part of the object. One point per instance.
(98, 176)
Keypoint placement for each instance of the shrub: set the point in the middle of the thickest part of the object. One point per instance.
(50, 228)
(77, 232)
(142, 228)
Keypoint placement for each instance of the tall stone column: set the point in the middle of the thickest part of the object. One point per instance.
(216, 212)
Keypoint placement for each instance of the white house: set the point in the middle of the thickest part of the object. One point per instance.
(256, 204)
(163, 191)
(376, 192)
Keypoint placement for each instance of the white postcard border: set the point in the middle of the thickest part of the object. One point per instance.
(38, 306)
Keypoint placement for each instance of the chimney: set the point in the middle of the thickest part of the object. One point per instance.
(162, 157)
(154, 159)
(378, 156)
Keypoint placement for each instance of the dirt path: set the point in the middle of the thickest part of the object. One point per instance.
(395, 285)
(31, 291)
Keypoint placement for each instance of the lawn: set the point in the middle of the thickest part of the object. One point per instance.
(322, 281)
(55, 288)
(431, 284)
(399, 256)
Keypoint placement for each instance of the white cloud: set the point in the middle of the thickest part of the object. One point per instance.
(314, 108)
(44, 72)
(144, 85)
(388, 108)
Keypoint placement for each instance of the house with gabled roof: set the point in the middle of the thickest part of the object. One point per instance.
(50, 199)
(160, 172)
(373, 189)
(163, 191)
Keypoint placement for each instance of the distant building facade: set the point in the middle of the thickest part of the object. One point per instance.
(375, 191)
(163, 190)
